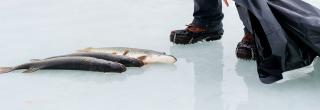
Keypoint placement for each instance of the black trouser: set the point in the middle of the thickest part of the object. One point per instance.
(208, 13)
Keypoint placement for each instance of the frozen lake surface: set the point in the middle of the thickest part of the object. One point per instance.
(207, 76)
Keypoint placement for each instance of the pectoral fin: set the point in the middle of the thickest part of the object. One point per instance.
(142, 58)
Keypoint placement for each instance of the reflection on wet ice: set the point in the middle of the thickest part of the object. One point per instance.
(208, 69)
(293, 94)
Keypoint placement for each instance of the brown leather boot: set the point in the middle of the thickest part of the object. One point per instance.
(193, 34)
(246, 48)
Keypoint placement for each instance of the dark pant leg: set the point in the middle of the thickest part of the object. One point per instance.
(245, 29)
(208, 13)
(244, 17)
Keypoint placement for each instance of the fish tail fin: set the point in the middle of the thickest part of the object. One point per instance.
(85, 49)
(5, 69)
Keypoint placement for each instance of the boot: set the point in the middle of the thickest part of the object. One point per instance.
(193, 34)
(246, 48)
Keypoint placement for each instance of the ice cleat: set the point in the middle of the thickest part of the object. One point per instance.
(193, 34)
(246, 48)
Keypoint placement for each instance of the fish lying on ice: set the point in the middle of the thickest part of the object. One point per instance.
(147, 56)
(69, 63)
(125, 60)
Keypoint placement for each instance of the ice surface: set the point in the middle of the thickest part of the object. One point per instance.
(207, 76)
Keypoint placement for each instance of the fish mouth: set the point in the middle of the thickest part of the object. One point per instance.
(175, 59)
(123, 68)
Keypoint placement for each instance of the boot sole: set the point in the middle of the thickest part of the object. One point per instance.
(245, 53)
(191, 40)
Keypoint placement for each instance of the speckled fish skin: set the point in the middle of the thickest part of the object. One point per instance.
(147, 56)
(127, 61)
(70, 63)
(122, 50)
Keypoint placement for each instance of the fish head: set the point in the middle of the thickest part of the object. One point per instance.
(167, 59)
(138, 63)
(170, 59)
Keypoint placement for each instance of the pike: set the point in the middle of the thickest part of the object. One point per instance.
(69, 63)
(146, 56)
(127, 61)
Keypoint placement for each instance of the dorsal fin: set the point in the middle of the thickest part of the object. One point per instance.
(125, 52)
(85, 49)
(35, 60)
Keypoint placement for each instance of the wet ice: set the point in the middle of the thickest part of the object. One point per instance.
(207, 76)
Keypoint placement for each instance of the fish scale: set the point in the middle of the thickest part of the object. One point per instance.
(127, 61)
